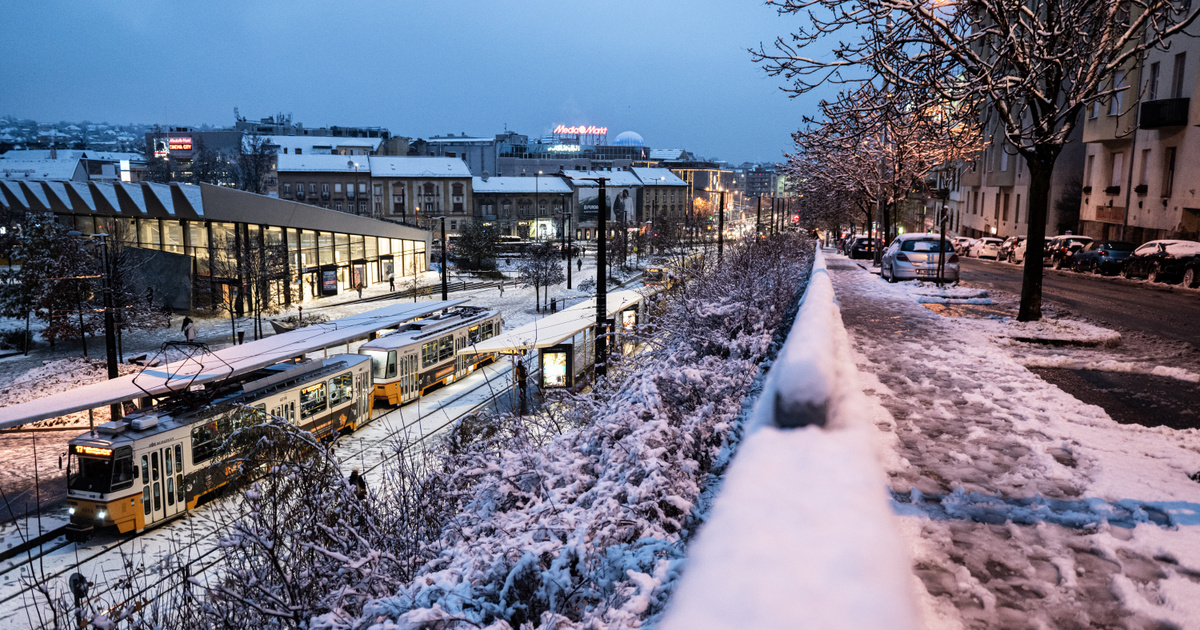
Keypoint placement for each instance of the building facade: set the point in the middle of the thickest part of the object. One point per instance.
(525, 207)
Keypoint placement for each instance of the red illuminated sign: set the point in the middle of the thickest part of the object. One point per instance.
(589, 130)
(179, 144)
(92, 450)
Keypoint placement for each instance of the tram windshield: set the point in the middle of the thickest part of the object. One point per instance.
(95, 469)
(383, 364)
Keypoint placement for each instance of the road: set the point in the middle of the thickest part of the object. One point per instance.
(1166, 311)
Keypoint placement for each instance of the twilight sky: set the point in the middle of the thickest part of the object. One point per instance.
(675, 72)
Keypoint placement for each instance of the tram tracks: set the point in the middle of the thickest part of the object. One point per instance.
(196, 566)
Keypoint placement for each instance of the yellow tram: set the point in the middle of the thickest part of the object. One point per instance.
(425, 353)
(158, 463)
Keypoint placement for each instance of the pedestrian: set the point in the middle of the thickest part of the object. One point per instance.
(579, 264)
(392, 283)
(359, 484)
(502, 287)
(359, 287)
(189, 329)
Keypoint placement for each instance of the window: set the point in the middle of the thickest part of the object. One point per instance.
(378, 188)
(341, 389)
(362, 207)
(1003, 159)
(453, 224)
(362, 188)
(1114, 103)
(1169, 172)
(299, 151)
(313, 400)
(337, 205)
(1152, 82)
(1004, 210)
(1017, 210)
(1118, 166)
(1177, 79)
(1094, 110)
(287, 189)
(312, 188)
(1087, 170)
(324, 189)
(337, 188)
(1144, 176)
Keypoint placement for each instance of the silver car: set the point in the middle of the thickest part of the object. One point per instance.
(915, 256)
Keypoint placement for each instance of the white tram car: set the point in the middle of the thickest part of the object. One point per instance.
(424, 353)
(158, 463)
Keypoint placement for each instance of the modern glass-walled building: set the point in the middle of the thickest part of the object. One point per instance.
(231, 241)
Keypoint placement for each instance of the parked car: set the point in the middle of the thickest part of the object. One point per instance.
(1191, 273)
(1061, 249)
(1102, 257)
(862, 247)
(1019, 250)
(987, 247)
(1160, 261)
(961, 244)
(1007, 247)
(915, 256)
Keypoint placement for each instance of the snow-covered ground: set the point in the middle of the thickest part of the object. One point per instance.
(47, 371)
(1021, 505)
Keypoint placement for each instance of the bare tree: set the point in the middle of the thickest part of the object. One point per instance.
(255, 164)
(1028, 69)
(541, 267)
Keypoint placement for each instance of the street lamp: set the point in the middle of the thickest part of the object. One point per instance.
(601, 279)
(720, 221)
(350, 163)
(110, 338)
(445, 286)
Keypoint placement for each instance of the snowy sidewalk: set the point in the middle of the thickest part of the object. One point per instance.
(1022, 506)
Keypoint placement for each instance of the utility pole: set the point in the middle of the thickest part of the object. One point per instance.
(445, 286)
(721, 227)
(110, 338)
(601, 280)
(758, 219)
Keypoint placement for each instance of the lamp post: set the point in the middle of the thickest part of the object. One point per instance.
(537, 209)
(720, 221)
(350, 163)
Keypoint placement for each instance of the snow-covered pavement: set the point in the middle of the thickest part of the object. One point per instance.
(1022, 506)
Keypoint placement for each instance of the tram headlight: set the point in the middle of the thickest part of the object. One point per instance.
(71, 511)
(100, 514)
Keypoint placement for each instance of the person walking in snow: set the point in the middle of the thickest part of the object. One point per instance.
(359, 484)
(501, 288)
(189, 329)
(359, 287)
(392, 283)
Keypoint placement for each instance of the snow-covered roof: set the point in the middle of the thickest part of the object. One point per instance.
(218, 365)
(615, 178)
(70, 154)
(322, 163)
(556, 328)
(416, 166)
(42, 169)
(463, 139)
(657, 176)
(550, 184)
(317, 144)
(666, 154)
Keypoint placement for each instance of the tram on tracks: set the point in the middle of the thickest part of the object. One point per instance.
(423, 354)
(158, 463)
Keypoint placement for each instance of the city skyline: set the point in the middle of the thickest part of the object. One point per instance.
(678, 76)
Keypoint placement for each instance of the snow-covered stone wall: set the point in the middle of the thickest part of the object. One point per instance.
(802, 534)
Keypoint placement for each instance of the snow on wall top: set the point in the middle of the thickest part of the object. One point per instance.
(217, 365)
(40, 169)
(312, 144)
(550, 184)
(418, 167)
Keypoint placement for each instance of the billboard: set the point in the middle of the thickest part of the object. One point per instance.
(621, 201)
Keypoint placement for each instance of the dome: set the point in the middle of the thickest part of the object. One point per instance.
(629, 139)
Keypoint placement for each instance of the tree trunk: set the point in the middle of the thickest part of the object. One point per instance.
(1039, 202)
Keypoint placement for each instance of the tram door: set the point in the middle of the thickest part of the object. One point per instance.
(460, 360)
(361, 394)
(162, 479)
(408, 378)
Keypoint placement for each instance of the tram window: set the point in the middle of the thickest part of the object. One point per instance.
(206, 439)
(429, 354)
(123, 473)
(178, 458)
(167, 457)
(157, 496)
(312, 400)
(341, 389)
(473, 335)
(145, 469)
(170, 491)
(383, 364)
(154, 466)
(90, 474)
(179, 486)
(445, 348)
(146, 499)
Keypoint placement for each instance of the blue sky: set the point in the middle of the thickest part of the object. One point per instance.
(676, 72)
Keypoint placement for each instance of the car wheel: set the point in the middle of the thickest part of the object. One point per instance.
(1127, 273)
(1189, 278)
(891, 277)
(1154, 274)
(1097, 269)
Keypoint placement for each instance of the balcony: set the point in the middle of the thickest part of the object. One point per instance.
(1166, 112)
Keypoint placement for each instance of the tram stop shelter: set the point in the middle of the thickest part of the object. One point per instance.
(565, 340)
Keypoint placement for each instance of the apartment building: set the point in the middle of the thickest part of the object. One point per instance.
(1143, 158)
